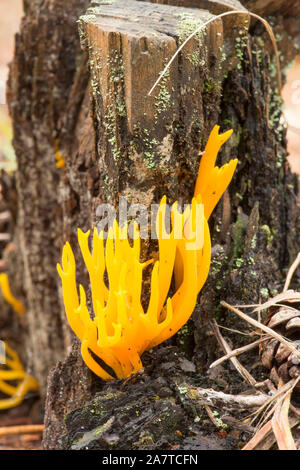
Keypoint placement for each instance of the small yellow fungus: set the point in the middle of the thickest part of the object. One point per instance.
(121, 329)
(113, 340)
(14, 371)
(60, 161)
(16, 304)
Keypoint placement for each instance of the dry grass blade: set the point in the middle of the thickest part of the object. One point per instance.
(274, 424)
(291, 273)
(222, 15)
(224, 345)
(264, 438)
(281, 426)
(287, 296)
(268, 408)
(259, 438)
(275, 301)
(232, 330)
(238, 351)
(290, 346)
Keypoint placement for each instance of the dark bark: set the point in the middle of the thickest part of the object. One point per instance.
(41, 79)
(118, 142)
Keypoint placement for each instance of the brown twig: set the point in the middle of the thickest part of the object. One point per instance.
(260, 437)
(225, 346)
(274, 400)
(289, 296)
(265, 328)
(213, 398)
(26, 429)
(238, 351)
(291, 273)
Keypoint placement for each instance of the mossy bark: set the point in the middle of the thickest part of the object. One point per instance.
(117, 141)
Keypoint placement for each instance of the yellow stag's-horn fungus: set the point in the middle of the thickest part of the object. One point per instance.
(113, 341)
(121, 329)
(14, 371)
(8, 296)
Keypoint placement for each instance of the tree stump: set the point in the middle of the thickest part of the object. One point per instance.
(92, 108)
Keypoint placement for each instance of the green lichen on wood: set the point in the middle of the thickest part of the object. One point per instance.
(241, 43)
(238, 242)
(210, 86)
(116, 108)
(187, 25)
(163, 99)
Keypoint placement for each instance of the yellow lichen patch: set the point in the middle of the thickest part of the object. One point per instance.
(8, 296)
(13, 371)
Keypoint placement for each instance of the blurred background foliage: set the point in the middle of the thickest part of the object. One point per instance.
(10, 16)
(7, 154)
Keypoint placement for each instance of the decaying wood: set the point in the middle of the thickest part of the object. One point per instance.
(286, 8)
(227, 401)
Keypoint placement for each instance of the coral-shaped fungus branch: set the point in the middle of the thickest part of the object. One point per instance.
(212, 181)
(14, 371)
(8, 296)
(113, 341)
